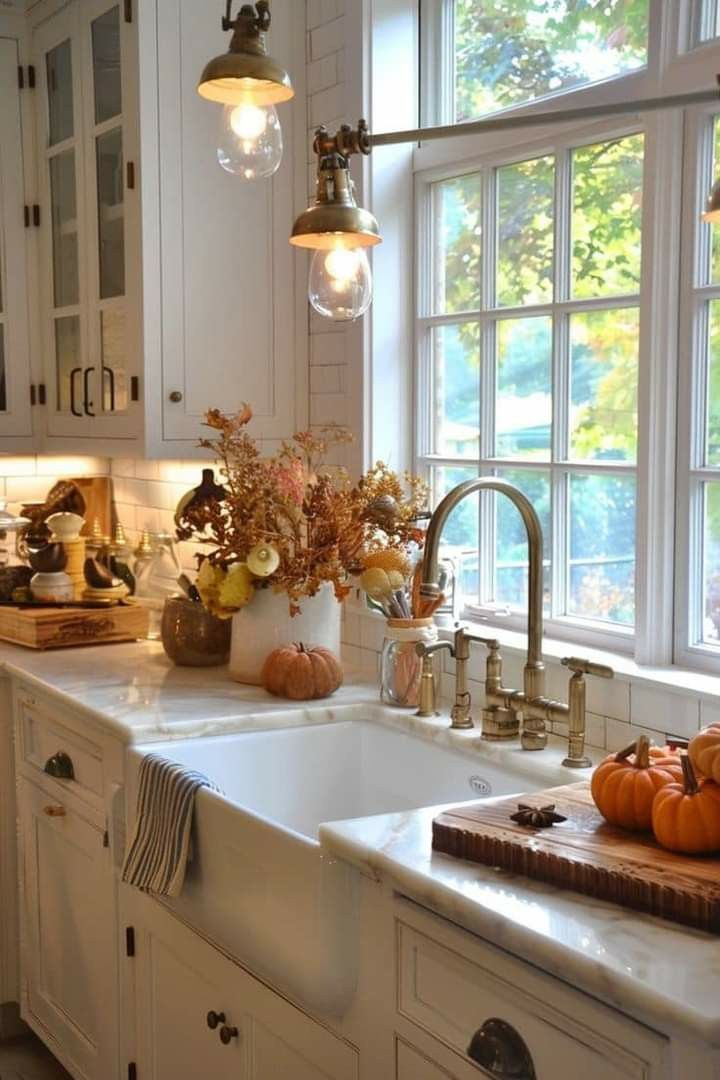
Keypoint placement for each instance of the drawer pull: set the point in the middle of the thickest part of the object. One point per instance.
(214, 1020)
(55, 811)
(498, 1048)
(60, 766)
(227, 1034)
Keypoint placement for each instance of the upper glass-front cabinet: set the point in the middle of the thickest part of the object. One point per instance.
(79, 56)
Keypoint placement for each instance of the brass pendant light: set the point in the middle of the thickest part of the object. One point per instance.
(246, 74)
(249, 84)
(337, 229)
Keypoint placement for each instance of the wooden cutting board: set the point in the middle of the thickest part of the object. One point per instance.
(585, 854)
(59, 628)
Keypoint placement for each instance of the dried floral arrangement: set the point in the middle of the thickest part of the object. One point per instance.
(292, 522)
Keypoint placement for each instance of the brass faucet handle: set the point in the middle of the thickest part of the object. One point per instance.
(492, 643)
(587, 667)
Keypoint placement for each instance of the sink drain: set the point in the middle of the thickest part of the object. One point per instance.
(480, 786)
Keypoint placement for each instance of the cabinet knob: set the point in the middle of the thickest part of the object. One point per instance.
(214, 1020)
(55, 811)
(176, 397)
(499, 1048)
(227, 1034)
(60, 766)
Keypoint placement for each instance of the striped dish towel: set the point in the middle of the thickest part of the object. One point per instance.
(157, 855)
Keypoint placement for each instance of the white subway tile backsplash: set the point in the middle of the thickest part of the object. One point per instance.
(322, 74)
(619, 735)
(709, 713)
(372, 632)
(670, 713)
(18, 466)
(327, 380)
(328, 38)
(28, 489)
(328, 348)
(329, 409)
(608, 697)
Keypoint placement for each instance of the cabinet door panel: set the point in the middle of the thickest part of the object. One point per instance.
(15, 378)
(228, 297)
(69, 938)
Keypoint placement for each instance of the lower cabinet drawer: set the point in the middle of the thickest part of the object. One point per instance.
(45, 741)
(512, 1020)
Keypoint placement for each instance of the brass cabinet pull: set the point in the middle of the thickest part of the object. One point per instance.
(498, 1047)
(214, 1019)
(227, 1034)
(55, 811)
(60, 766)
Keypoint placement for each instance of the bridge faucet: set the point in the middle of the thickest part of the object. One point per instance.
(505, 709)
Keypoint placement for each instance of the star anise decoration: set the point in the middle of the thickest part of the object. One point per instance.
(537, 817)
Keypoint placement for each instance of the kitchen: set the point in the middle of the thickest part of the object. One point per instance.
(383, 654)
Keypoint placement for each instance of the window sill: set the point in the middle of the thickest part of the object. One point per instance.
(673, 679)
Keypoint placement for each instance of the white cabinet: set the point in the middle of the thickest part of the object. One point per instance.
(68, 932)
(15, 377)
(167, 286)
(199, 1014)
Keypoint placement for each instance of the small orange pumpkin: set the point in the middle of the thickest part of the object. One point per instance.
(302, 674)
(704, 751)
(625, 784)
(686, 816)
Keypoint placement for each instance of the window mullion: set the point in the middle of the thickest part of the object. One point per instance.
(561, 381)
(488, 384)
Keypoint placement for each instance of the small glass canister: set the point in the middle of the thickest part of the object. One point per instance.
(401, 667)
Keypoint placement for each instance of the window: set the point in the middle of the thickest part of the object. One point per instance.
(550, 307)
(507, 52)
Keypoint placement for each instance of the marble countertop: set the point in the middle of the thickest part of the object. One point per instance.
(664, 975)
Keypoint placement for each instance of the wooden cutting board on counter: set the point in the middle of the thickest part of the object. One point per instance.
(60, 628)
(586, 855)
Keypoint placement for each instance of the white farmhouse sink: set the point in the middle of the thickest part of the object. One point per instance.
(259, 884)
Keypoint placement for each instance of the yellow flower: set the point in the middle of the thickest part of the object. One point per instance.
(237, 589)
(388, 559)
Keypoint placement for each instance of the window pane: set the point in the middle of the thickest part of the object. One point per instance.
(712, 433)
(60, 93)
(68, 365)
(603, 384)
(711, 564)
(3, 374)
(511, 51)
(114, 354)
(715, 229)
(111, 219)
(523, 409)
(64, 228)
(602, 548)
(525, 232)
(457, 243)
(106, 65)
(511, 554)
(460, 538)
(607, 212)
(456, 357)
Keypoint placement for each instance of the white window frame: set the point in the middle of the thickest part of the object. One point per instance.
(676, 62)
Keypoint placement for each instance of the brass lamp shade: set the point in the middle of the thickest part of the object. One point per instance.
(712, 207)
(326, 225)
(240, 78)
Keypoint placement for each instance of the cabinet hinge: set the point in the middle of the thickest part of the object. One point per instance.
(42, 394)
(31, 215)
(128, 11)
(130, 941)
(106, 839)
(134, 388)
(132, 1071)
(26, 216)
(130, 175)
(36, 215)
(28, 81)
(33, 394)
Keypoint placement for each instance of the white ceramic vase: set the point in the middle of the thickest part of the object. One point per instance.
(266, 624)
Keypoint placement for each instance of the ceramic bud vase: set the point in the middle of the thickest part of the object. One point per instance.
(266, 624)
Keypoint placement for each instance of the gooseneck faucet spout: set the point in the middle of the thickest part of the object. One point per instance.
(534, 679)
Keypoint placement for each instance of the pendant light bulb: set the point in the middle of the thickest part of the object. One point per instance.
(251, 142)
(340, 285)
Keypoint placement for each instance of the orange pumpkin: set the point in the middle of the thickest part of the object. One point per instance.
(704, 751)
(686, 816)
(302, 674)
(625, 784)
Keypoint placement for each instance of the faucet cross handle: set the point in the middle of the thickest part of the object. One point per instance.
(587, 667)
(577, 758)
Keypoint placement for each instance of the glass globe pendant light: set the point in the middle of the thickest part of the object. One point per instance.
(337, 230)
(249, 84)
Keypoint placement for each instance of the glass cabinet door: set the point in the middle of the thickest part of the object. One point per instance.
(109, 375)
